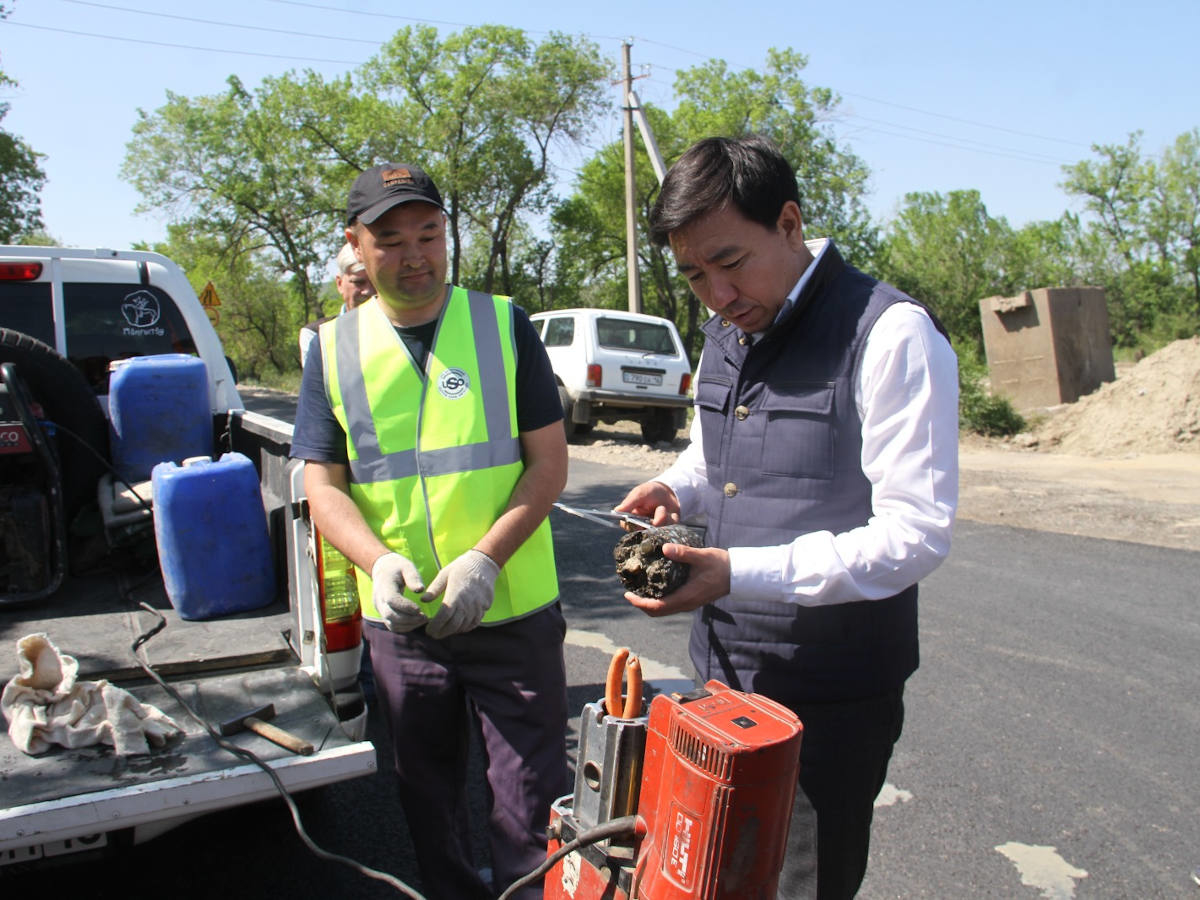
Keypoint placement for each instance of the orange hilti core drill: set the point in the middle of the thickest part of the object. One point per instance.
(711, 773)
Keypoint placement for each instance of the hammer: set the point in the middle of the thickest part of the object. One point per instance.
(254, 721)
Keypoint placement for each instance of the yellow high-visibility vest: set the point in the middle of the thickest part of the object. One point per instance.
(434, 454)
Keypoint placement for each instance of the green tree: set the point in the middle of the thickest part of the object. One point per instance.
(589, 227)
(1141, 238)
(256, 326)
(777, 102)
(1045, 254)
(21, 177)
(484, 110)
(264, 173)
(948, 252)
(230, 166)
(1173, 211)
(39, 237)
(21, 181)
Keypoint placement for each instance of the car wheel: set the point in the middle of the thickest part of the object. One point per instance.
(66, 400)
(658, 426)
(570, 427)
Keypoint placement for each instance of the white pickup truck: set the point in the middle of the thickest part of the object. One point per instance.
(82, 568)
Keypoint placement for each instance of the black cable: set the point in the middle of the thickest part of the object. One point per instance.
(145, 504)
(625, 826)
(241, 752)
(253, 758)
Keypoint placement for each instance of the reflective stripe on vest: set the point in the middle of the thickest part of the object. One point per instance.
(434, 455)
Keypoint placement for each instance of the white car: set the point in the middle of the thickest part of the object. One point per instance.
(613, 366)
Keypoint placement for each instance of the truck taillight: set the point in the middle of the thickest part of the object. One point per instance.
(20, 271)
(595, 375)
(685, 382)
(339, 598)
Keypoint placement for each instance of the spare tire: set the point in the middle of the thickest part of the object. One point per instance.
(67, 400)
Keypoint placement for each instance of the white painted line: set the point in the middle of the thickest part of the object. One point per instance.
(664, 678)
(890, 795)
(1041, 867)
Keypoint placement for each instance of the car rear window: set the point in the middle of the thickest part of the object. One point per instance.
(26, 307)
(628, 334)
(117, 321)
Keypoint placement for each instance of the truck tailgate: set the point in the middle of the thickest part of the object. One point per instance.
(223, 668)
(67, 793)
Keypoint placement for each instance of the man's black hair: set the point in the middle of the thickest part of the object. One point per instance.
(748, 172)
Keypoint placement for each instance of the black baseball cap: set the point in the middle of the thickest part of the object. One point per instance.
(381, 187)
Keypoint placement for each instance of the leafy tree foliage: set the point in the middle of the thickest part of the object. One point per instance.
(254, 319)
(589, 227)
(777, 102)
(21, 181)
(21, 178)
(979, 410)
(1046, 254)
(225, 166)
(1142, 242)
(946, 251)
(483, 110)
(39, 237)
(264, 173)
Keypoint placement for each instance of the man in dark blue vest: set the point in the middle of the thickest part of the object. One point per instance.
(824, 463)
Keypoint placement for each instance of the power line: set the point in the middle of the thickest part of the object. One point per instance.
(359, 12)
(374, 15)
(989, 152)
(1032, 156)
(127, 40)
(925, 112)
(905, 107)
(161, 15)
(1029, 155)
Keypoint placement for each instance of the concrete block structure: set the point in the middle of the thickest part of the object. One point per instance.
(1047, 346)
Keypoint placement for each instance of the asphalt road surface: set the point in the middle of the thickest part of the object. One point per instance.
(1050, 748)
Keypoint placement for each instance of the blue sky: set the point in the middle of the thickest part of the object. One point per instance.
(936, 96)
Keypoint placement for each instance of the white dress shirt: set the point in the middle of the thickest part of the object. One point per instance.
(907, 398)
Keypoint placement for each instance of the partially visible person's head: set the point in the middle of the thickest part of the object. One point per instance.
(397, 226)
(748, 173)
(352, 281)
(729, 210)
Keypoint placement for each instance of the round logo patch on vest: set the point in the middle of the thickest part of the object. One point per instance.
(453, 384)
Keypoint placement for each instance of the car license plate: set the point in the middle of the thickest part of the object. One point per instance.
(641, 378)
(53, 848)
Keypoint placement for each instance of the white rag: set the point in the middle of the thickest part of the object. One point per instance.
(45, 705)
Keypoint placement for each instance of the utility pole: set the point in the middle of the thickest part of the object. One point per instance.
(631, 256)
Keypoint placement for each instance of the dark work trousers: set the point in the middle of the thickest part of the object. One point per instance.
(844, 756)
(512, 679)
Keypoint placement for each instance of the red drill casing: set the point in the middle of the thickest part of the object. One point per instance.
(719, 777)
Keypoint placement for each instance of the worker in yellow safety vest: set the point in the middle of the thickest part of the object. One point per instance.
(431, 427)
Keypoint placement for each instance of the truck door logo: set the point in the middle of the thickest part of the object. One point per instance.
(141, 309)
(453, 383)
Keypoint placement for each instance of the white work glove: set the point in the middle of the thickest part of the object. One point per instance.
(470, 586)
(390, 574)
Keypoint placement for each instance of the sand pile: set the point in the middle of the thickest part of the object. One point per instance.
(1153, 407)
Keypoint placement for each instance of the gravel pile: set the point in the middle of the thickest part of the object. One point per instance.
(1152, 407)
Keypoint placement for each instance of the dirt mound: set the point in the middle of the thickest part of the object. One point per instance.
(1153, 407)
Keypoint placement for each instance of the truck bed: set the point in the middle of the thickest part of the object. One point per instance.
(97, 618)
(223, 667)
